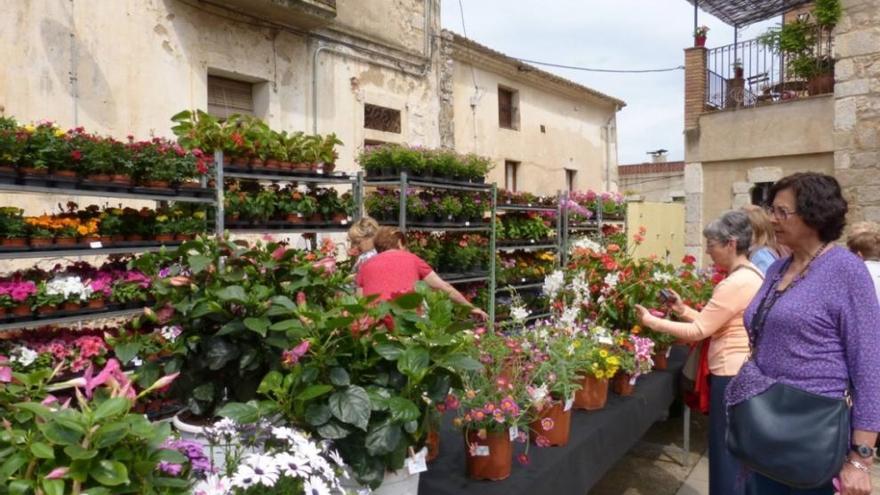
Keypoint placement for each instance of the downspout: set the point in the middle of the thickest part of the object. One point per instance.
(607, 131)
(73, 75)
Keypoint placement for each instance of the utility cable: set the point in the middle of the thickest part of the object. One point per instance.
(590, 69)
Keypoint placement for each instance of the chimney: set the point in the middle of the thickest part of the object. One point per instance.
(658, 156)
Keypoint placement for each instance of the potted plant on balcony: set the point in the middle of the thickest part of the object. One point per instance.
(738, 71)
(700, 36)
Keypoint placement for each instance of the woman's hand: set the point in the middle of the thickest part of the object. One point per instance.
(854, 481)
(676, 304)
(643, 315)
(479, 313)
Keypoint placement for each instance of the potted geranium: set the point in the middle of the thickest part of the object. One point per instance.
(21, 293)
(308, 208)
(13, 229)
(71, 290)
(700, 35)
(111, 228)
(46, 301)
(164, 228)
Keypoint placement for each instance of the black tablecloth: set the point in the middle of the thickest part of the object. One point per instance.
(598, 440)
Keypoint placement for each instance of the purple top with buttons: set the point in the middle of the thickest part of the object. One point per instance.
(822, 333)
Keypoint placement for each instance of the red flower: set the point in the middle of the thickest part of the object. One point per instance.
(542, 441)
(76, 155)
(689, 260)
(523, 459)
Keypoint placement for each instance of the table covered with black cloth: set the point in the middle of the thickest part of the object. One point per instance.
(598, 440)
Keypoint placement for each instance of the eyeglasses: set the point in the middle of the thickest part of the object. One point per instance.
(716, 244)
(779, 212)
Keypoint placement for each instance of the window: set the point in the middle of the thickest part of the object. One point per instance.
(510, 171)
(508, 111)
(761, 193)
(228, 96)
(381, 118)
(570, 183)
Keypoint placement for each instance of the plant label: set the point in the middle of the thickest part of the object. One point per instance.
(668, 352)
(481, 451)
(416, 463)
(513, 432)
(532, 241)
(96, 245)
(467, 224)
(568, 404)
(529, 205)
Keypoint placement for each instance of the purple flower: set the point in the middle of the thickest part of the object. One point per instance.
(193, 451)
(170, 468)
(165, 272)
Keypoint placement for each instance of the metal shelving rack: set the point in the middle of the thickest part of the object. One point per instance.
(593, 226)
(82, 251)
(96, 315)
(404, 182)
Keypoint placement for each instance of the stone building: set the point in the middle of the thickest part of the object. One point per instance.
(657, 181)
(747, 127)
(372, 71)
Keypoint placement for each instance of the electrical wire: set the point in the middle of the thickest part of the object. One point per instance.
(590, 69)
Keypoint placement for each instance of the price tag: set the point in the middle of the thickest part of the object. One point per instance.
(668, 352)
(513, 432)
(481, 451)
(467, 224)
(529, 205)
(568, 404)
(522, 280)
(96, 245)
(345, 222)
(532, 241)
(416, 464)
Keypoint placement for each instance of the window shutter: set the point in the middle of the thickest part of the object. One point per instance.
(228, 96)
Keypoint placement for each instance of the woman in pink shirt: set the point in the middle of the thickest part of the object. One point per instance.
(395, 271)
(727, 242)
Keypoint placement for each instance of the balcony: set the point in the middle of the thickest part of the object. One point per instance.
(299, 14)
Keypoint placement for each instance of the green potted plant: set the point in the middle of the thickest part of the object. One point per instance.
(296, 152)
(260, 207)
(409, 160)
(377, 161)
(13, 229)
(328, 154)
(44, 150)
(476, 168)
(165, 228)
(276, 149)
(451, 208)
(111, 226)
(416, 209)
(700, 36)
(45, 300)
(331, 206)
(12, 144)
(308, 207)
(311, 149)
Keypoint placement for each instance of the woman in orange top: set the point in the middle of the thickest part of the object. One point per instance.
(727, 242)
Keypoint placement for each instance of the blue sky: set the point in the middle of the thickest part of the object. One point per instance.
(615, 34)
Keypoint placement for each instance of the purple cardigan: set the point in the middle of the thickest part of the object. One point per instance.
(821, 334)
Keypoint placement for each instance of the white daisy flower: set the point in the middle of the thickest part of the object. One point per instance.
(293, 465)
(316, 486)
(247, 476)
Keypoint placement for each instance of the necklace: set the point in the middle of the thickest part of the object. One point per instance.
(800, 274)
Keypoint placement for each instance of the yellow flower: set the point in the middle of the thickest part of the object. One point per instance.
(161, 218)
(200, 215)
(614, 361)
(600, 375)
(59, 133)
(595, 366)
(30, 129)
(577, 344)
(603, 353)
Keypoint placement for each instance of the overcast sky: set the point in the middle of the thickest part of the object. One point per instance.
(614, 34)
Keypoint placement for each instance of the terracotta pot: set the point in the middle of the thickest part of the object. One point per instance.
(46, 310)
(287, 165)
(190, 185)
(329, 167)
(301, 166)
(96, 303)
(295, 218)
(70, 306)
(106, 240)
(316, 218)
(65, 241)
(340, 217)
(558, 434)
(22, 310)
(121, 179)
(158, 184)
(33, 171)
(7, 169)
(134, 237)
(257, 162)
(433, 443)
(2, 312)
(90, 239)
(67, 174)
(496, 457)
(117, 238)
(227, 160)
(273, 163)
(593, 394)
(313, 167)
(700, 41)
(622, 385)
(39, 242)
(164, 237)
(231, 218)
(184, 237)
(14, 242)
(99, 178)
(240, 161)
(661, 358)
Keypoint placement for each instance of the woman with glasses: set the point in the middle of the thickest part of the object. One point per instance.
(727, 242)
(360, 240)
(813, 328)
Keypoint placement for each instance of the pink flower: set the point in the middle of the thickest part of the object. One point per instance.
(498, 416)
(111, 374)
(5, 374)
(300, 298)
(327, 265)
(509, 406)
(523, 459)
(522, 437)
(547, 424)
(452, 402)
(478, 415)
(279, 252)
(489, 408)
(292, 356)
(542, 441)
(57, 473)
(49, 400)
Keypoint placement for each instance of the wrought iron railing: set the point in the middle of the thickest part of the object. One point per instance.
(745, 74)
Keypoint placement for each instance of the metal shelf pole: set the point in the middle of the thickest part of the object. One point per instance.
(492, 256)
(219, 186)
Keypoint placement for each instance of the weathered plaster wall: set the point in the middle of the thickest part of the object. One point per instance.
(573, 136)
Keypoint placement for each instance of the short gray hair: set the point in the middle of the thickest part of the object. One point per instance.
(733, 225)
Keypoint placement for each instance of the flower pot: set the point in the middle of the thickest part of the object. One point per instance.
(96, 303)
(196, 433)
(14, 242)
(116, 238)
(295, 218)
(121, 179)
(820, 84)
(2, 312)
(157, 184)
(700, 41)
(624, 384)
(164, 237)
(339, 217)
(231, 218)
(240, 161)
(316, 218)
(661, 358)
(490, 458)
(99, 178)
(7, 169)
(286, 165)
(329, 167)
(432, 442)
(313, 167)
(257, 162)
(64, 174)
(39, 242)
(65, 241)
(184, 237)
(559, 422)
(89, 240)
(33, 171)
(301, 167)
(134, 237)
(70, 306)
(22, 310)
(46, 310)
(106, 240)
(273, 164)
(593, 394)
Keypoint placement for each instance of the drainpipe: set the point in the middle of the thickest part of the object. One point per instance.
(74, 71)
(607, 131)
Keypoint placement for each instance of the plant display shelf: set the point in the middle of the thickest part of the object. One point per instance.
(528, 207)
(427, 183)
(524, 246)
(538, 316)
(201, 195)
(465, 278)
(281, 176)
(445, 227)
(519, 287)
(61, 318)
(85, 250)
(288, 229)
(586, 228)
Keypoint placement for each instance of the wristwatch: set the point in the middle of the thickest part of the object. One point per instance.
(864, 451)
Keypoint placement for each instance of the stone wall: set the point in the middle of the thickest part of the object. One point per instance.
(857, 107)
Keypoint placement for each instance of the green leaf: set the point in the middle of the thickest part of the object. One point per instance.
(204, 392)
(462, 362)
(383, 438)
(408, 301)
(168, 455)
(287, 325)
(110, 434)
(171, 483)
(403, 410)
(272, 382)
(258, 325)
(351, 406)
(98, 490)
(76, 452)
(205, 308)
(20, 487)
(39, 410)
(42, 451)
(414, 362)
(218, 352)
(317, 414)
(379, 398)
(313, 392)
(109, 473)
(12, 465)
(284, 302)
(389, 352)
(127, 351)
(232, 293)
(111, 407)
(234, 326)
(333, 431)
(339, 377)
(53, 487)
(198, 262)
(59, 434)
(240, 413)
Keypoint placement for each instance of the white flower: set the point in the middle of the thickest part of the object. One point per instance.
(223, 428)
(136, 361)
(295, 466)
(170, 332)
(309, 450)
(612, 279)
(553, 283)
(519, 313)
(24, 356)
(294, 437)
(316, 486)
(662, 277)
(212, 485)
(248, 475)
(569, 316)
(69, 288)
(335, 457)
(587, 243)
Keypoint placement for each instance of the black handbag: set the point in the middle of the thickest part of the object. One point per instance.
(789, 435)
